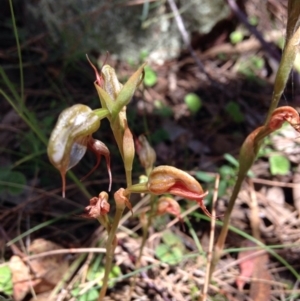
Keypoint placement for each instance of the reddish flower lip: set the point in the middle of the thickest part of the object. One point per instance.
(180, 189)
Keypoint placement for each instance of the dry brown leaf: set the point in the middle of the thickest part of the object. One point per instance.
(260, 289)
(296, 190)
(42, 273)
(49, 268)
(254, 266)
(20, 276)
(246, 268)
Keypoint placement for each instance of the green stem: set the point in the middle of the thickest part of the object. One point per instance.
(110, 250)
(144, 240)
(101, 113)
(128, 178)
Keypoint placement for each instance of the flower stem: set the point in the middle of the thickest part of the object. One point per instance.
(110, 249)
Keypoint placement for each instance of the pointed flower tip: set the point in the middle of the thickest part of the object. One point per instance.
(99, 149)
(99, 79)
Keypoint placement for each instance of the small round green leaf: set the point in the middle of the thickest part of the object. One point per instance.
(150, 78)
(233, 109)
(226, 170)
(279, 165)
(236, 37)
(167, 254)
(162, 109)
(253, 20)
(193, 102)
(90, 295)
(6, 285)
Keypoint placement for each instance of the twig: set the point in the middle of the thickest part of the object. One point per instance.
(243, 18)
(254, 218)
(211, 240)
(65, 251)
(186, 41)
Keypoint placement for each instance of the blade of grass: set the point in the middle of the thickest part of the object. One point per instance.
(42, 225)
(19, 52)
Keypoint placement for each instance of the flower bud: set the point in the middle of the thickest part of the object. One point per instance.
(168, 205)
(122, 200)
(128, 148)
(146, 153)
(98, 206)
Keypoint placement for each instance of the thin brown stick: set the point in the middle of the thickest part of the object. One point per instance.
(211, 240)
(65, 251)
(185, 38)
(241, 16)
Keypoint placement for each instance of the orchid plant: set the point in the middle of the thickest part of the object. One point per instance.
(72, 136)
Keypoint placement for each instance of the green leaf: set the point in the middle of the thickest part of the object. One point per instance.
(204, 177)
(18, 178)
(231, 159)
(236, 37)
(6, 285)
(167, 254)
(144, 54)
(233, 109)
(150, 78)
(90, 295)
(253, 20)
(162, 109)
(170, 239)
(222, 188)
(4, 172)
(257, 62)
(159, 135)
(279, 165)
(193, 102)
(226, 171)
(75, 292)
